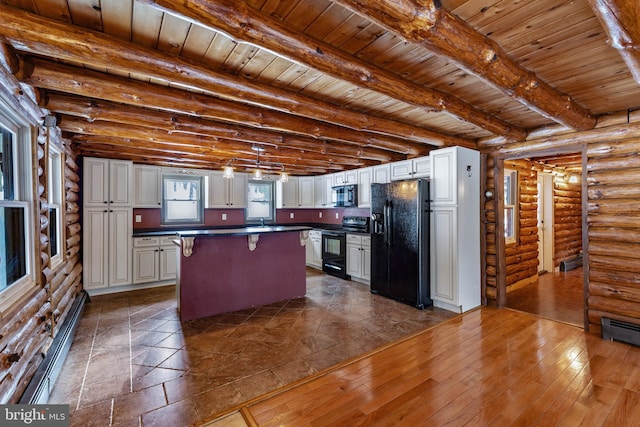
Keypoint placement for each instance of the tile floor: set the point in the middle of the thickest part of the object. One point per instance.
(134, 363)
(557, 296)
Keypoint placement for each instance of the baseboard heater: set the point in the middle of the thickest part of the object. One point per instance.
(620, 331)
(570, 264)
(40, 386)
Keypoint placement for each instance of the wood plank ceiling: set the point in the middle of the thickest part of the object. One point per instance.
(323, 86)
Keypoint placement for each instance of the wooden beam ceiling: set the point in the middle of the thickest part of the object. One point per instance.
(428, 23)
(36, 35)
(621, 20)
(244, 23)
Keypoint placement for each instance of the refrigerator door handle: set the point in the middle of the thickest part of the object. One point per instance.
(388, 236)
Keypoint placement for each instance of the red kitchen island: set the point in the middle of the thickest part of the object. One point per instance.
(224, 270)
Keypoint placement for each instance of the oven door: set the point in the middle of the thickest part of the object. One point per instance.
(334, 253)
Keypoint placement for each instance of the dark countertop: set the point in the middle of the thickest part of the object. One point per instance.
(241, 231)
(147, 232)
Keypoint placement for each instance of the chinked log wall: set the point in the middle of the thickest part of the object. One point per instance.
(612, 216)
(613, 207)
(567, 222)
(26, 334)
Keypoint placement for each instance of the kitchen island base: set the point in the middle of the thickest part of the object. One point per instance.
(229, 272)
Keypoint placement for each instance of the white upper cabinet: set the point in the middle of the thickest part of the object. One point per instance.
(351, 176)
(364, 187)
(402, 170)
(444, 182)
(227, 192)
(339, 178)
(289, 193)
(106, 181)
(306, 187)
(381, 174)
(412, 168)
(323, 184)
(147, 186)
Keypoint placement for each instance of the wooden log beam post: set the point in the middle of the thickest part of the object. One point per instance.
(80, 81)
(37, 35)
(94, 110)
(445, 34)
(245, 23)
(621, 20)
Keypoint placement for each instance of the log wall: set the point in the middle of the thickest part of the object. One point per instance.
(567, 223)
(27, 332)
(613, 207)
(612, 204)
(521, 259)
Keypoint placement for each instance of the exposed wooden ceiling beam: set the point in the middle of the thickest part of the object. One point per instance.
(244, 23)
(37, 35)
(445, 34)
(214, 147)
(80, 81)
(621, 20)
(96, 110)
(132, 149)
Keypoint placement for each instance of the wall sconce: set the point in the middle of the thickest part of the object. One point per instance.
(573, 179)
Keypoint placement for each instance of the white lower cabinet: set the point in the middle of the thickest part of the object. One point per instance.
(359, 257)
(154, 259)
(107, 247)
(314, 249)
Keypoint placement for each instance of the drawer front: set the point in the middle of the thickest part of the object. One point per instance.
(142, 242)
(354, 239)
(168, 240)
(366, 241)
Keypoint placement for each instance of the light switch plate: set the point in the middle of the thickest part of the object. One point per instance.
(224, 217)
(319, 214)
(337, 215)
(291, 215)
(138, 218)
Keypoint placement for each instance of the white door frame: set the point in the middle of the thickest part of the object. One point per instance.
(545, 222)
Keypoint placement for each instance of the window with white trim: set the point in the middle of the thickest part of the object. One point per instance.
(182, 199)
(16, 219)
(511, 205)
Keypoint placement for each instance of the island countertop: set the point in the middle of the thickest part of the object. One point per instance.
(242, 231)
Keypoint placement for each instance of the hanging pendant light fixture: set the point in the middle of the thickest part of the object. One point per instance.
(284, 176)
(227, 170)
(257, 172)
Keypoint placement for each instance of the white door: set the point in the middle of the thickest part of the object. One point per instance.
(545, 222)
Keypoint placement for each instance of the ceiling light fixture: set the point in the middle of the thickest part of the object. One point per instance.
(284, 176)
(227, 170)
(257, 172)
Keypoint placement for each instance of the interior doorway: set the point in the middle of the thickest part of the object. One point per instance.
(549, 292)
(545, 223)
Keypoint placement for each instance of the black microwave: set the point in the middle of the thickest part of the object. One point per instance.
(344, 196)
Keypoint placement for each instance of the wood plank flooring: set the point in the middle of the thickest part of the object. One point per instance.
(486, 367)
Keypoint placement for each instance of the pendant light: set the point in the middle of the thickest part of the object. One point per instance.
(257, 172)
(227, 170)
(284, 176)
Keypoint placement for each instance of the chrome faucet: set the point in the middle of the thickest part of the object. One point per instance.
(261, 222)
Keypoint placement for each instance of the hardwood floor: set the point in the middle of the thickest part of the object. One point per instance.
(557, 296)
(487, 367)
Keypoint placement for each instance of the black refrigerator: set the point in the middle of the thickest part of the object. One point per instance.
(400, 241)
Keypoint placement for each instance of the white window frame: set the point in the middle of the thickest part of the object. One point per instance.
(23, 181)
(269, 219)
(200, 201)
(55, 181)
(511, 206)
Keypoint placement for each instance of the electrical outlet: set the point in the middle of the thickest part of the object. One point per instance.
(337, 215)
(138, 218)
(291, 215)
(319, 214)
(224, 217)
